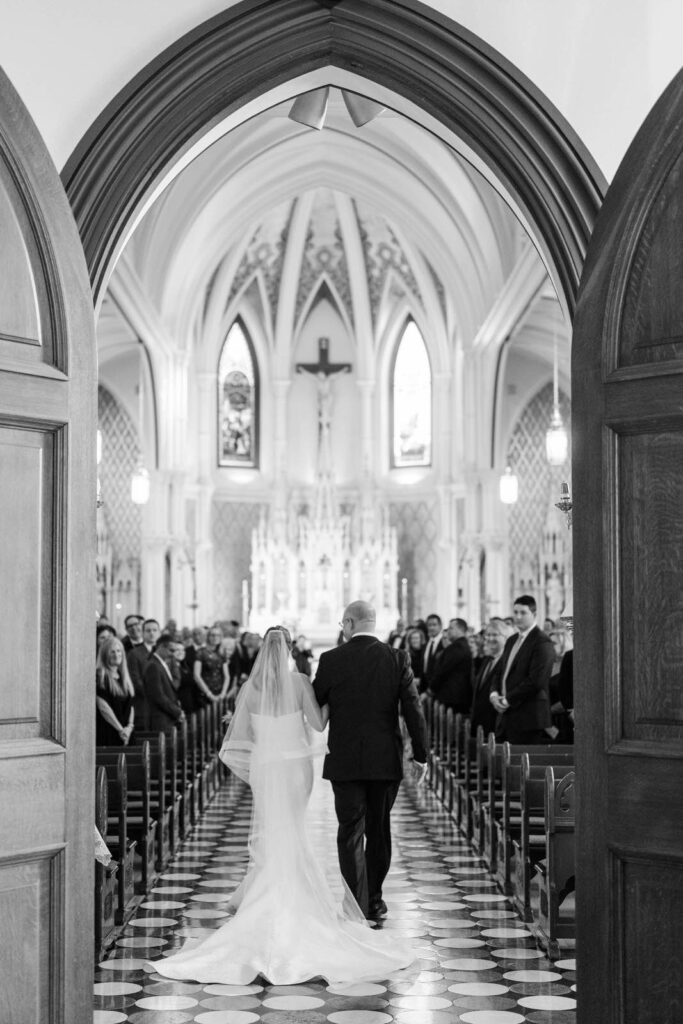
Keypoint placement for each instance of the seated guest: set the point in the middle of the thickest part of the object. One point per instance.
(164, 708)
(483, 714)
(211, 667)
(133, 626)
(303, 655)
(416, 641)
(451, 680)
(115, 696)
(519, 692)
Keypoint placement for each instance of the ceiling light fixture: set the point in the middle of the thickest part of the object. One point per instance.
(310, 108)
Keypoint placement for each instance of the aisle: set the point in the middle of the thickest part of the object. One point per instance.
(476, 962)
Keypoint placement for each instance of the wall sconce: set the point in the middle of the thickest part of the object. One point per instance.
(509, 487)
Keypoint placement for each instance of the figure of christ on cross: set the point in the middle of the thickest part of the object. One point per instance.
(324, 371)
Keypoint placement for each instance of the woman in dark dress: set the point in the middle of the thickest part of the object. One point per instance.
(114, 696)
(416, 641)
(211, 667)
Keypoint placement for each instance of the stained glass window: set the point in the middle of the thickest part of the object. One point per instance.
(237, 401)
(411, 401)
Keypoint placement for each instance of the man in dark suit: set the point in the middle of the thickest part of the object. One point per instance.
(520, 690)
(483, 713)
(163, 705)
(451, 679)
(433, 648)
(364, 683)
(137, 659)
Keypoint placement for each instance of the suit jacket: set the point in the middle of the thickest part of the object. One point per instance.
(136, 659)
(451, 680)
(365, 682)
(526, 687)
(431, 663)
(162, 700)
(483, 713)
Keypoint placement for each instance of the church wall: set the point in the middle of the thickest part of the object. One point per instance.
(417, 525)
(231, 526)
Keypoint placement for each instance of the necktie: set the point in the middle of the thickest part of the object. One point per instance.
(428, 654)
(508, 665)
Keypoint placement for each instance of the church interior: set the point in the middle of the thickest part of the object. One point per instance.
(334, 357)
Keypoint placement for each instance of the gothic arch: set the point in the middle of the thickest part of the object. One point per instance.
(256, 46)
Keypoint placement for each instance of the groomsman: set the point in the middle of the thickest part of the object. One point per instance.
(433, 647)
(520, 691)
(365, 683)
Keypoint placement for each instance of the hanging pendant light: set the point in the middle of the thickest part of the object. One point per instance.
(140, 485)
(556, 439)
(509, 487)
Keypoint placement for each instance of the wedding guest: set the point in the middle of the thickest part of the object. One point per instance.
(137, 659)
(397, 636)
(162, 700)
(242, 660)
(104, 631)
(519, 692)
(303, 655)
(415, 646)
(451, 679)
(115, 696)
(133, 626)
(211, 667)
(483, 713)
(434, 645)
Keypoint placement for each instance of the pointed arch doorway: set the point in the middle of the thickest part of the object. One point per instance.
(458, 87)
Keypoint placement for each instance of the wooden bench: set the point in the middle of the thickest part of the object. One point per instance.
(465, 784)
(504, 827)
(554, 871)
(162, 749)
(456, 765)
(142, 826)
(529, 847)
(106, 880)
(121, 846)
(479, 788)
(189, 806)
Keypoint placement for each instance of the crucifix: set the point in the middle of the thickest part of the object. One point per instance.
(324, 371)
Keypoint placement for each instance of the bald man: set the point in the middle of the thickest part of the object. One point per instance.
(365, 683)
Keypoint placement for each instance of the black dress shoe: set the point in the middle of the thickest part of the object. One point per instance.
(378, 910)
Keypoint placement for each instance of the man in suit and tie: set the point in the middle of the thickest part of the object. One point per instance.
(433, 647)
(162, 700)
(365, 683)
(520, 690)
(451, 678)
(482, 712)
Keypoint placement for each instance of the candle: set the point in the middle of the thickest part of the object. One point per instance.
(404, 599)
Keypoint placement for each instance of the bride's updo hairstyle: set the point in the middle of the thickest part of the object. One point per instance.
(280, 629)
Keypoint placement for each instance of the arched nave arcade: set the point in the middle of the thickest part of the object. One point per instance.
(477, 242)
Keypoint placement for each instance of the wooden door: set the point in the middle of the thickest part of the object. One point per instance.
(627, 386)
(47, 506)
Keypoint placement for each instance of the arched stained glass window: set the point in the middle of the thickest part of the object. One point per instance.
(411, 401)
(237, 401)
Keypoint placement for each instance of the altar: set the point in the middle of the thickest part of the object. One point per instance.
(311, 557)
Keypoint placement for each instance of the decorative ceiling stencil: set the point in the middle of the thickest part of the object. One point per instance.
(324, 254)
(265, 255)
(383, 256)
(537, 480)
(120, 451)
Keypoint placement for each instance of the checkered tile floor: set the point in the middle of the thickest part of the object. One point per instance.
(475, 961)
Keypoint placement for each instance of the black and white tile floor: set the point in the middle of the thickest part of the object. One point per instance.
(476, 962)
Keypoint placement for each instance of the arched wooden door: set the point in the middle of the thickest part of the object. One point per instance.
(627, 387)
(47, 506)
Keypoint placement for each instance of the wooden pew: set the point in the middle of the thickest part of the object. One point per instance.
(465, 785)
(162, 747)
(554, 871)
(479, 789)
(195, 766)
(505, 827)
(189, 805)
(457, 766)
(529, 847)
(106, 881)
(141, 825)
(117, 838)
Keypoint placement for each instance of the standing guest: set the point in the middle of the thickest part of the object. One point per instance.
(115, 696)
(137, 659)
(451, 679)
(211, 667)
(565, 690)
(519, 691)
(397, 636)
(242, 661)
(162, 700)
(189, 694)
(104, 631)
(133, 626)
(483, 713)
(303, 655)
(476, 642)
(364, 683)
(415, 646)
(433, 646)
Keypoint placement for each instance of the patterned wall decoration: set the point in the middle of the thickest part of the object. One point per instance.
(231, 526)
(120, 451)
(265, 254)
(383, 254)
(417, 526)
(539, 484)
(324, 254)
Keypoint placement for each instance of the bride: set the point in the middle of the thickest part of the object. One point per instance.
(288, 925)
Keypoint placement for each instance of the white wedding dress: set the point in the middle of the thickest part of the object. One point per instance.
(289, 925)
